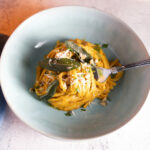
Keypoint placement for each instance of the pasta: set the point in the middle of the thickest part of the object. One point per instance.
(77, 87)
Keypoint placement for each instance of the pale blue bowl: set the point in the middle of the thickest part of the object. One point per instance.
(19, 60)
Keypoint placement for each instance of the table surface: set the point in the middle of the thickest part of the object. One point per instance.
(135, 135)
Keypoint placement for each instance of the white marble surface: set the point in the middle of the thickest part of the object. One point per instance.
(15, 135)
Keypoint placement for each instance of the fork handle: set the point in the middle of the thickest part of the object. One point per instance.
(132, 65)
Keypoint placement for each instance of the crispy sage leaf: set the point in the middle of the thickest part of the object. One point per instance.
(104, 45)
(59, 65)
(83, 109)
(68, 114)
(82, 54)
(50, 90)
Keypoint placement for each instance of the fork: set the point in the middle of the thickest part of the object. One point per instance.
(104, 73)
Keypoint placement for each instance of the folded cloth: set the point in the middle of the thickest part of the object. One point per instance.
(3, 39)
(2, 106)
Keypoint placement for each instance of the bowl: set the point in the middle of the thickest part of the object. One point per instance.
(20, 57)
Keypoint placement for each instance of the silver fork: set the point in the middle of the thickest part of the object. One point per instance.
(104, 73)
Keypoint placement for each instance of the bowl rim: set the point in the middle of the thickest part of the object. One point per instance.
(52, 136)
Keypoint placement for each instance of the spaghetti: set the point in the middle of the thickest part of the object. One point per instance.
(77, 87)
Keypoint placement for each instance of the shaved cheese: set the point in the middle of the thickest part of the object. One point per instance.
(49, 76)
(63, 54)
(91, 61)
(80, 73)
(82, 56)
(74, 81)
(87, 76)
(96, 60)
(83, 81)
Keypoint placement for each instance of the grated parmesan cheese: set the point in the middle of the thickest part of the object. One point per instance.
(63, 54)
(96, 60)
(49, 76)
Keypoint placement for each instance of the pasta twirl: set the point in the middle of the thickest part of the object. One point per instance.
(78, 87)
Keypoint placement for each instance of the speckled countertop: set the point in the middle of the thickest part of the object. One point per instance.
(15, 135)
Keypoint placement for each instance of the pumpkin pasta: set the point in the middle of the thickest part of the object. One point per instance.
(76, 87)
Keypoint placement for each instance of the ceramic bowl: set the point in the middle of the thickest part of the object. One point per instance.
(20, 57)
